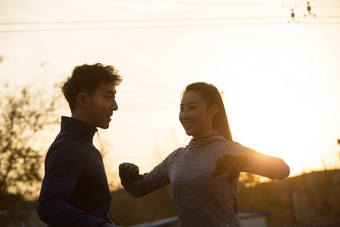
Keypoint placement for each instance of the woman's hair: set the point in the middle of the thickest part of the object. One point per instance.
(211, 96)
(87, 78)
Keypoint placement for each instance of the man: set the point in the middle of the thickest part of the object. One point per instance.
(75, 191)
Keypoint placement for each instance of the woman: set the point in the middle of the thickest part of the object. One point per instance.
(204, 175)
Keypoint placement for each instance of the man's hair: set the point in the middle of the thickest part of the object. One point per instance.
(87, 78)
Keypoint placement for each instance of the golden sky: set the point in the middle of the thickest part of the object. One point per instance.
(280, 80)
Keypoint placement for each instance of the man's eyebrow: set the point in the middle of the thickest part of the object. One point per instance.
(110, 92)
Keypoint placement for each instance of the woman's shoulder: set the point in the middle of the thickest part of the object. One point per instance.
(179, 151)
(173, 156)
(232, 146)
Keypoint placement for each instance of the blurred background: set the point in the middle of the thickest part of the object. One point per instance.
(275, 62)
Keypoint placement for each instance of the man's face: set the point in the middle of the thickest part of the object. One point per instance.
(101, 104)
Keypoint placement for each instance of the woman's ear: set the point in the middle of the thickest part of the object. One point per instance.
(214, 109)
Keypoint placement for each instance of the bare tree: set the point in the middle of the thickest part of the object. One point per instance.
(24, 112)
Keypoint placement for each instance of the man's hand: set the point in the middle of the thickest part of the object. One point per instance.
(229, 161)
(129, 173)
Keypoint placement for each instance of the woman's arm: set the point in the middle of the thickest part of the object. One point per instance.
(244, 159)
(141, 185)
(265, 165)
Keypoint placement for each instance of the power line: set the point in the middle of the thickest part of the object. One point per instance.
(151, 20)
(139, 20)
(159, 27)
(234, 3)
(130, 27)
(200, 2)
(163, 19)
(175, 105)
(148, 106)
(242, 4)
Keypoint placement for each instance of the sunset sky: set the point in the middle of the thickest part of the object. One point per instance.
(280, 78)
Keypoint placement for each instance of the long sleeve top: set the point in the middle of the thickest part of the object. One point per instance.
(203, 200)
(74, 191)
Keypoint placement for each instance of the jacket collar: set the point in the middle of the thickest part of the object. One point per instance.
(78, 128)
(194, 143)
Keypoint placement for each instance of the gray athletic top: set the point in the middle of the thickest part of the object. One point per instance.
(203, 200)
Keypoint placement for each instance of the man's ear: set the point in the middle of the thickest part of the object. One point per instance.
(82, 99)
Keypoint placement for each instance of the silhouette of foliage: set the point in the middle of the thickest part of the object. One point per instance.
(128, 210)
(24, 112)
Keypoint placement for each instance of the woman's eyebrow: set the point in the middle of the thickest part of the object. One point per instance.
(189, 103)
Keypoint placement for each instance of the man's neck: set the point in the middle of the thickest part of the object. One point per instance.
(80, 117)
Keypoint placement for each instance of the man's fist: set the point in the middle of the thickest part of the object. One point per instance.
(129, 173)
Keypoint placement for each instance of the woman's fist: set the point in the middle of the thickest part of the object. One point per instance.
(129, 173)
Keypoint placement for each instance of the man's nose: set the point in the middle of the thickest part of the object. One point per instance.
(114, 106)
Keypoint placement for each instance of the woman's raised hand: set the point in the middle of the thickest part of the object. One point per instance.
(229, 161)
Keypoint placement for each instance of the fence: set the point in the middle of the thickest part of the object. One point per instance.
(318, 223)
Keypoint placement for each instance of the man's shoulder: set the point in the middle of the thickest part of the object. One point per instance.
(65, 139)
(64, 144)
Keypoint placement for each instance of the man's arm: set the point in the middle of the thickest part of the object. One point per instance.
(63, 167)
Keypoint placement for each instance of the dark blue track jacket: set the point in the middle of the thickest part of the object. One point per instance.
(74, 191)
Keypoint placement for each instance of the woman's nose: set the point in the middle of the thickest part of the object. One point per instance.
(183, 114)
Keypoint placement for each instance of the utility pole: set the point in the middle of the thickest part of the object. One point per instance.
(339, 151)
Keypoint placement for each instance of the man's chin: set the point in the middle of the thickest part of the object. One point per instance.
(104, 126)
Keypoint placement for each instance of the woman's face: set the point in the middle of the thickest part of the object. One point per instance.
(196, 116)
